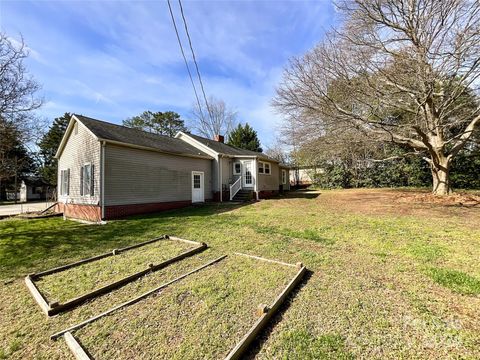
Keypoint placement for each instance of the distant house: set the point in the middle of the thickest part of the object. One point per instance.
(301, 176)
(32, 189)
(107, 171)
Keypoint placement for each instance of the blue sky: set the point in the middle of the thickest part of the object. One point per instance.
(114, 59)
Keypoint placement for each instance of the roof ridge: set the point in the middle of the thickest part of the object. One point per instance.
(123, 126)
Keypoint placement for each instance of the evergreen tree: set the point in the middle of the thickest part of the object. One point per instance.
(48, 147)
(244, 137)
(163, 123)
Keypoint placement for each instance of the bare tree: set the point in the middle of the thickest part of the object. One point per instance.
(405, 71)
(217, 119)
(278, 151)
(17, 102)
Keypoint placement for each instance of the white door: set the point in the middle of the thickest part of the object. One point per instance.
(247, 173)
(197, 187)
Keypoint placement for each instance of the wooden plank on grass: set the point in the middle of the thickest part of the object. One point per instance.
(75, 347)
(251, 335)
(134, 300)
(115, 285)
(184, 240)
(37, 295)
(264, 259)
(97, 257)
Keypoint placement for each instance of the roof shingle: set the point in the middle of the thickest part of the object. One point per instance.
(228, 149)
(108, 131)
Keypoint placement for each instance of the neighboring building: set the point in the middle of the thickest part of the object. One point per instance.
(304, 175)
(108, 171)
(32, 189)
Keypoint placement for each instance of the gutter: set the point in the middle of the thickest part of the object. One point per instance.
(102, 178)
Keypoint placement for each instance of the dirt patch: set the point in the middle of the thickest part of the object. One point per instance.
(461, 208)
(468, 200)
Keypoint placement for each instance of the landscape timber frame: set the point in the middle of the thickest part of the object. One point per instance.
(240, 348)
(53, 308)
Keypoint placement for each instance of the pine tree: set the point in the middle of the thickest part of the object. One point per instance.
(48, 147)
(244, 137)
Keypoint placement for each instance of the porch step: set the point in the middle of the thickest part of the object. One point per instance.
(243, 195)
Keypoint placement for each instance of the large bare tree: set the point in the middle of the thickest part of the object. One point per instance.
(215, 119)
(18, 100)
(405, 71)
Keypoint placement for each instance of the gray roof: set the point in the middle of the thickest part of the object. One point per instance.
(225, 149)
(122, 134)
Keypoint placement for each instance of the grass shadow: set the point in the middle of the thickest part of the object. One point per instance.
(257, 344)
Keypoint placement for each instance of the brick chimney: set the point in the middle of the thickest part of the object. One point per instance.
(219, 138)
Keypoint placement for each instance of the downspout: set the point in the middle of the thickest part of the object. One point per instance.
(255, 164)
(102, 178)
(220, 183)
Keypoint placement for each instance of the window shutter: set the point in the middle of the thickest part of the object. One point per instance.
(92, 180)
(81, 181)
(68, 181)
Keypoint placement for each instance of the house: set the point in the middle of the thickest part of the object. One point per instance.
(35, 189)
(108, 171)
(303, 176)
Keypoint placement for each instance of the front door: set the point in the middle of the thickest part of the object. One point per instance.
(197, 187)
(247, 174)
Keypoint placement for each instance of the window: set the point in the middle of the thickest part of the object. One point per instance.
(65, 182)
(284, 177)
(196, 181)
(267, 168)
(87, 180)
(263, 168)
(236, 168)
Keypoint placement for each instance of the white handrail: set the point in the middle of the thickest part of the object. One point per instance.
(235, 188)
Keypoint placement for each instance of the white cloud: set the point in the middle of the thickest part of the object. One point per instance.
(115, 59)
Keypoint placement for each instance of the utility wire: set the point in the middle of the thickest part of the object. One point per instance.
(185, 58)
(194, 59)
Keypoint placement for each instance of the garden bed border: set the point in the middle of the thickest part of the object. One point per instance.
(134, 300)
(52, 308)
(265, 312)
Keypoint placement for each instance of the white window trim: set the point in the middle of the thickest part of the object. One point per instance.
(64, 191)
(263, 163)
(82, 176)
(235, 163)
(284, 177)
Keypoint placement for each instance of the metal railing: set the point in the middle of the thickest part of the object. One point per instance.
(235, 187)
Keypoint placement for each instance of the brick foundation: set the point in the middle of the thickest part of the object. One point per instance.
(266, 194)
(80, 211)
(225, 195)
(120, 211)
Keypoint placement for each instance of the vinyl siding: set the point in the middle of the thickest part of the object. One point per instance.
(134, 176)
(227, 170)
(81, 148)
(269, 182)
(286, 186)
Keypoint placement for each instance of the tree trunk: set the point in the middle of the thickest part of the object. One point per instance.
(441, 175)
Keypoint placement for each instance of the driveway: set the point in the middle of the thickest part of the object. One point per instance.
(14, 209)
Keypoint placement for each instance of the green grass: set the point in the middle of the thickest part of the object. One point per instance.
(302, 345)
(455, 280)
(215, 307)
(87, 277)
(380, 284)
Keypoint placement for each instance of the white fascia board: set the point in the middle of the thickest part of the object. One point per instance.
(188, 139)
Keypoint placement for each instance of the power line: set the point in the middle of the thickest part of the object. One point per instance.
(185, 58)
(194, 58)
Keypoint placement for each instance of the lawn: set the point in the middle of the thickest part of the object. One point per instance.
(390, 278)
